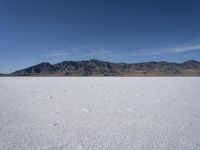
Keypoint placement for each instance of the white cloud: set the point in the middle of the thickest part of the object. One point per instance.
(89, 53)
(170, 50)
(185, 49)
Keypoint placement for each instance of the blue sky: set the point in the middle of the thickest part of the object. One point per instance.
(34, 31)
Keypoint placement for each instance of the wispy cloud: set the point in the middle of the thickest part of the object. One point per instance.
(61, 52)
(83, 52)
(169, 50)
(88, 52)
(185, 49)
(57, 54)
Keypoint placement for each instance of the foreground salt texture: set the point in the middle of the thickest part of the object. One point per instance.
(100, 113)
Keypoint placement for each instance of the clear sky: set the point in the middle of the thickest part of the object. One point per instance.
(34, 31)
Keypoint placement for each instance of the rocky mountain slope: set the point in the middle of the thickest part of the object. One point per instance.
(101, 68)
(2, 75)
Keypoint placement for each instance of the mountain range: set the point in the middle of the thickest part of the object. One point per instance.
(103, 68)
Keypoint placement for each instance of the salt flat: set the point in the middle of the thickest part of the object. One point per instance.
(100, 113)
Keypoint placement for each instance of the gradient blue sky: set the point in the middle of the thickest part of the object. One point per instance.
(34, 31)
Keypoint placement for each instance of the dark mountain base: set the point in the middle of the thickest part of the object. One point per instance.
(101, 68)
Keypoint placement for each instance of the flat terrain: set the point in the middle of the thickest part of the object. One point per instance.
(99, 113)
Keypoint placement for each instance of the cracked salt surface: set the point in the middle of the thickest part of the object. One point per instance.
(106, 113)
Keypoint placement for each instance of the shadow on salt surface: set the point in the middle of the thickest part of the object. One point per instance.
(56, 112)
(49, 97)
(54, 124)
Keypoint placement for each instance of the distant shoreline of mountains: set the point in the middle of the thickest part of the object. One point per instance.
(96, 67)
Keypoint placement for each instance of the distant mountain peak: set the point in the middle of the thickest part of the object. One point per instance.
(44, 63)
(191, 61)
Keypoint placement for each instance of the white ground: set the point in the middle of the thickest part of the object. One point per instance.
(100, 113)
